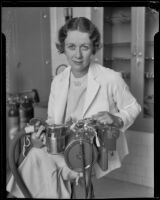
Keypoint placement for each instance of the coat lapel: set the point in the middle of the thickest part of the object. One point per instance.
(61, 97)
(92, 88)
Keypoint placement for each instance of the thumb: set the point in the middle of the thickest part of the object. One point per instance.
(69, 119)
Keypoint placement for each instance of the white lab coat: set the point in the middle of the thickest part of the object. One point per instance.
(106, 91)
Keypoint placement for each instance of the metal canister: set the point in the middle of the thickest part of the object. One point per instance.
(26, 111)
(55, 139)
(13, 119)
(13, 126)
(103, 157)
(111, 139)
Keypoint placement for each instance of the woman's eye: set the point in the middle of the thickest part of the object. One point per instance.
(85, 47)
(71, 47)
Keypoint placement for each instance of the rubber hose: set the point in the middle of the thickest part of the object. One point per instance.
(83, 167)
(13, 165)
(90, 174)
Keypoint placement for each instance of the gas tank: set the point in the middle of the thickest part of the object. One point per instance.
(26, 111)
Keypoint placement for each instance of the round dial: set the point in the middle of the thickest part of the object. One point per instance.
(60, 68)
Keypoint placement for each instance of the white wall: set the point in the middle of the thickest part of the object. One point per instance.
(138, 166)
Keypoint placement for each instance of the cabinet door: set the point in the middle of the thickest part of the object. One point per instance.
(128, 38)
(145, 25)
(33, 47)
(8, 28)
(117, 40)
(57, 19)
(97, 14)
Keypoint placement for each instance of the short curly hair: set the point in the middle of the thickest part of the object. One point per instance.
(82, 24)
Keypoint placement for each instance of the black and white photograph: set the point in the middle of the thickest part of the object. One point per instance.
(79, 101)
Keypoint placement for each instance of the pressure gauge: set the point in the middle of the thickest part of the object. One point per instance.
(61, 68)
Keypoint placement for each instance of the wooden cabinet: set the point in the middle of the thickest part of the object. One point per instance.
(128, 47)
(27, 31)
(127, 35)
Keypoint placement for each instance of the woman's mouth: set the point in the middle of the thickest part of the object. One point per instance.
(77, 62)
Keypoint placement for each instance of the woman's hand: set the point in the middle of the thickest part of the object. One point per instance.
(107, 118)
(38, 138)
(70, 120)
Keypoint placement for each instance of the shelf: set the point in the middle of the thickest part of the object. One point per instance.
(119, 19)
(151, 43)
(119, 44)
(124, 59)
(149, 98)
(126, 75)
(116, 59)
(126, 44)
(148, 115)
(148, 106)
(148, 111)
(149, 75)
(151, 12)
(149, 59)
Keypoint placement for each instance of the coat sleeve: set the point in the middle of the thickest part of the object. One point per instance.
(50, 113)
(127, 106)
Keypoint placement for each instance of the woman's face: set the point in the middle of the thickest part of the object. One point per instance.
(78, 50)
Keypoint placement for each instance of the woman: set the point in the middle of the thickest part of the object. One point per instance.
(84, 89)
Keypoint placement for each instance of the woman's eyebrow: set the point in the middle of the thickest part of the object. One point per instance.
(70, 43)
(86, 44)
(75, 44)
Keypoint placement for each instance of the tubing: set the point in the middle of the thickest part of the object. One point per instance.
(13, 166)
(89, 189)
(83, 167)
(19, 179)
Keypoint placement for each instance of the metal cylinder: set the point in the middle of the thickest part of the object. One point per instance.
(55, 139)
(13, 120)
(26, 112)
(103, 158)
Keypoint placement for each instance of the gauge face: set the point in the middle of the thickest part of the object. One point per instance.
(60, 68)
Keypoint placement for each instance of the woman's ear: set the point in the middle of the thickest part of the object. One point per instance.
(60, 48)
(91, 57)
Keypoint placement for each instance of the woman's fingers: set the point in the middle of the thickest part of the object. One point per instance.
(37, 123)
(69, 119)
(101, 113)
(43, 138)
(41, 128)
(103, 117)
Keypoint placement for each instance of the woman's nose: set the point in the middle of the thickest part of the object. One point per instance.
(78, 53)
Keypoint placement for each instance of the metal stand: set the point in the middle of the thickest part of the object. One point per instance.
(88, 186)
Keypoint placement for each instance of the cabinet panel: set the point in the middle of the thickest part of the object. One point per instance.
(32, 47)
(117, 40)
(57, 19)
(151, 28)
(8, 28)
(97, 18)
(128, 47)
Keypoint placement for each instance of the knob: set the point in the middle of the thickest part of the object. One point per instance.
(44, 16)
(140, 54)
(96, 8)
(47, 62)
(96, 59)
